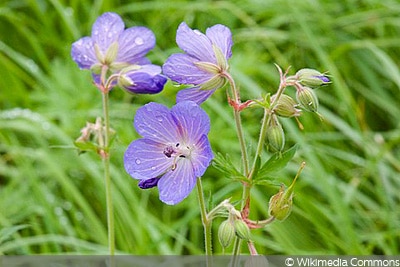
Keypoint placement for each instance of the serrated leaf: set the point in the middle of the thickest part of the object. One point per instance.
(225, 166)
(275, 163)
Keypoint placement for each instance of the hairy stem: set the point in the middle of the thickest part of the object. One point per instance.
(105, 154)
(239, 127)
(206, 222)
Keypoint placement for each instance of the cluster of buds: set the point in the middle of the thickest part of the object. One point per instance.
(233, 227)
(92, 137)
(283, 105)
(305, 80)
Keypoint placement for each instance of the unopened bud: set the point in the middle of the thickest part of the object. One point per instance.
(226, 233)
(307, 98)
(242, 230)
(286, 106)
(275, 135)
(311, 78)
(125, 81)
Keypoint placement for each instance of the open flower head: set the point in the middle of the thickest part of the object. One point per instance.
(204, 63)
(174, 150)
(112, 45)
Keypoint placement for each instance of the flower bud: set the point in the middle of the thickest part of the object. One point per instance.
(280, 204)
(307, 98)
(286, 106)
(226, 233)
(145, 79)
(242, 230)
(311, 78)
(275, 135)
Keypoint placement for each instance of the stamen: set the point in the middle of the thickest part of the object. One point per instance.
(168, 151)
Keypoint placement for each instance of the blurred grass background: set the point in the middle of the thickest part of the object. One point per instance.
(347, 199)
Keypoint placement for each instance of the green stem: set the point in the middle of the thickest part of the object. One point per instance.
(245, 159)
(261, 139)
(266, 117)
(105, 154)
(239, 127)
(206, 223)
(235, 252)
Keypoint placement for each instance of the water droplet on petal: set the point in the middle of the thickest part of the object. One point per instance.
(197, 32)
(139, 41)
(153, 168)
(159, 118)
(137, 161)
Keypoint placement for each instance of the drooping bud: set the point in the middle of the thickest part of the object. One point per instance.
(311, 78)
(145, 79)
(286, 106)
(226, 233)
(241, 229)
(307, 98)
(275, 134)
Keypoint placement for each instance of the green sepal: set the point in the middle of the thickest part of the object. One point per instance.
(225, 166)
(275, 163)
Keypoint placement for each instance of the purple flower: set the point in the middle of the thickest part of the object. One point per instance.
(115, 48)
(204, 63)
(174, 150)
(113, 45)
(144, 79)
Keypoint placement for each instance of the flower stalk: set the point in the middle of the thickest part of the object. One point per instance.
(105, 155)
(206, 222)
(238, 123)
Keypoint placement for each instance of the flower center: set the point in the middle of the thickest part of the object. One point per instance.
(178, 152)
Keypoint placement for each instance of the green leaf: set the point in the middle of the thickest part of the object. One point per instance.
(86, 146)
(225, 166)
(275, 163)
